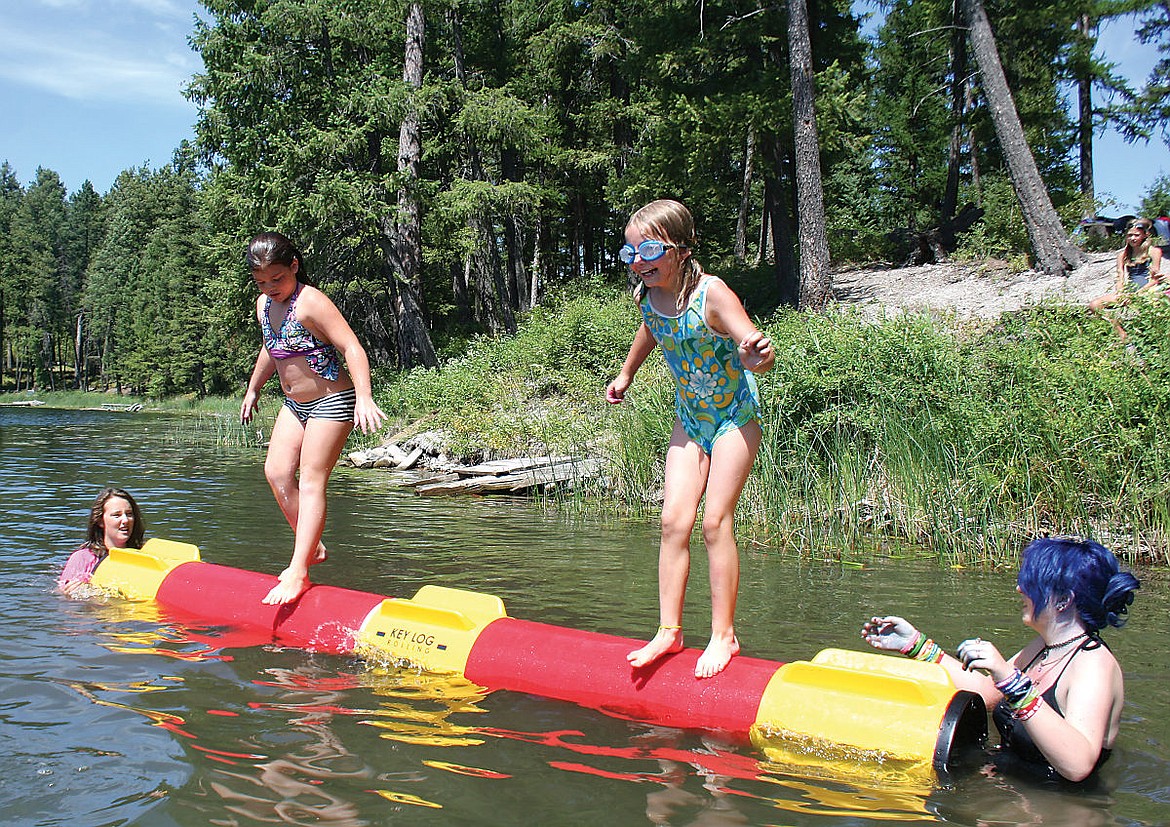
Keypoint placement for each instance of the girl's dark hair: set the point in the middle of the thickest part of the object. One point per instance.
(275, 248)
(1055, 568)
(95, 535)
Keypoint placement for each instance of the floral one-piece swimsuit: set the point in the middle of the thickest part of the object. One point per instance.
(714, 393)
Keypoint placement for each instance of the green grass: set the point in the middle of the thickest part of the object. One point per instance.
(961, 440)
(955, 439)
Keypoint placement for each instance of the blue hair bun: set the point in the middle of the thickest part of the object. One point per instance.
(1119, 597)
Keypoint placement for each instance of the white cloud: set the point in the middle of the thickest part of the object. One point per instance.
(159, 8)
(162, 8)
(126, 51)
(94, 72)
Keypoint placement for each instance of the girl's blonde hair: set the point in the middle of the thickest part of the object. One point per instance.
(674, 223)
(1143, 251)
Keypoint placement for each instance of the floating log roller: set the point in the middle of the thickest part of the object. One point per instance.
(841, 705)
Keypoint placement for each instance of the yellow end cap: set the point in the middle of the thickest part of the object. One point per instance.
(137, 573)
(862, 705)
(434, 631)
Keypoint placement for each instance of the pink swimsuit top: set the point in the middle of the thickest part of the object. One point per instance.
(294, 339)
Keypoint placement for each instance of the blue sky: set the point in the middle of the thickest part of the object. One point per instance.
(89, 88)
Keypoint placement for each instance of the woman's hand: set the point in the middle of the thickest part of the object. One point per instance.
(891, 633)
(977, 653)
(73, 588)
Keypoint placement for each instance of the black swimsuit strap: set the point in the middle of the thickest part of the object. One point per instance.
(1091, 641)
(1084, 645)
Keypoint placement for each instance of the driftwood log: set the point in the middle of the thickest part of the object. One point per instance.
(932, 246)
(433, 474)
(513, 476)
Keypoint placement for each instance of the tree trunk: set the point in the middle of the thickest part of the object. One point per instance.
(518, 295)
(487, 276)
(958, 96)
(745, 197)
(764, 242)
(778, 226)
(414, 341)
(494, 293)
(48, 354)
(1054, 253)
(815, 280)
(536, 285)
(1085, 120)
(972, 148)
(459, 292)
(79, 354)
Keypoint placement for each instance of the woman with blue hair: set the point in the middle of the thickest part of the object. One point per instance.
(1057, 702)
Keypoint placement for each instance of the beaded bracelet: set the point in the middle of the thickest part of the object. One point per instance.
(1029, 706)
(931, 652)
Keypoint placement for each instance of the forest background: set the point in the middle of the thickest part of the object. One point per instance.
(459, 173)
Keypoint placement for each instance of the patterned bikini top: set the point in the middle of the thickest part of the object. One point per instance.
(294, 339)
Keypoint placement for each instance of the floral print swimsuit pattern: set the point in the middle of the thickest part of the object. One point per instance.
(294, 339)
(714, 393)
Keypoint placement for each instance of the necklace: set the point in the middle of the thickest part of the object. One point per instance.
(1053, 647)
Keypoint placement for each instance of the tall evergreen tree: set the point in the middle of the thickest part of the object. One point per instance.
(1053, 250)
(10, 194)
(79, 239)
(37, 322)
(1152, 108)
(144, 293)
(301, 106)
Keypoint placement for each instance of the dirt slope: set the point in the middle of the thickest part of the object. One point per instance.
(980, 290)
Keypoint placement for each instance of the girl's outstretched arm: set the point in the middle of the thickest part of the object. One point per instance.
(725, 314)
(641, 347)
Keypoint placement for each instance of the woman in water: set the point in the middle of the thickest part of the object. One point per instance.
(1057, 702)
(114, 522)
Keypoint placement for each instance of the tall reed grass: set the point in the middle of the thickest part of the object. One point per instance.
(953, 438)
(966, 439)
(958, 439)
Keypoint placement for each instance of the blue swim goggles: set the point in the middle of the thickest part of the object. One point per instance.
(648, 250)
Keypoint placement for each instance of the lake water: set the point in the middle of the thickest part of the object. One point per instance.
(111, 716)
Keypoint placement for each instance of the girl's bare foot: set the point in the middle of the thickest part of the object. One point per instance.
(321, 556)
(291, 586)
(716, 656)
(668, 641)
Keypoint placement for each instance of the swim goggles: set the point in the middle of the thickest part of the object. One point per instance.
(648, 250)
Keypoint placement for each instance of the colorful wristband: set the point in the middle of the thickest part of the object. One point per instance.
(930, 652)
(1015, 688)
(1026, 707)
